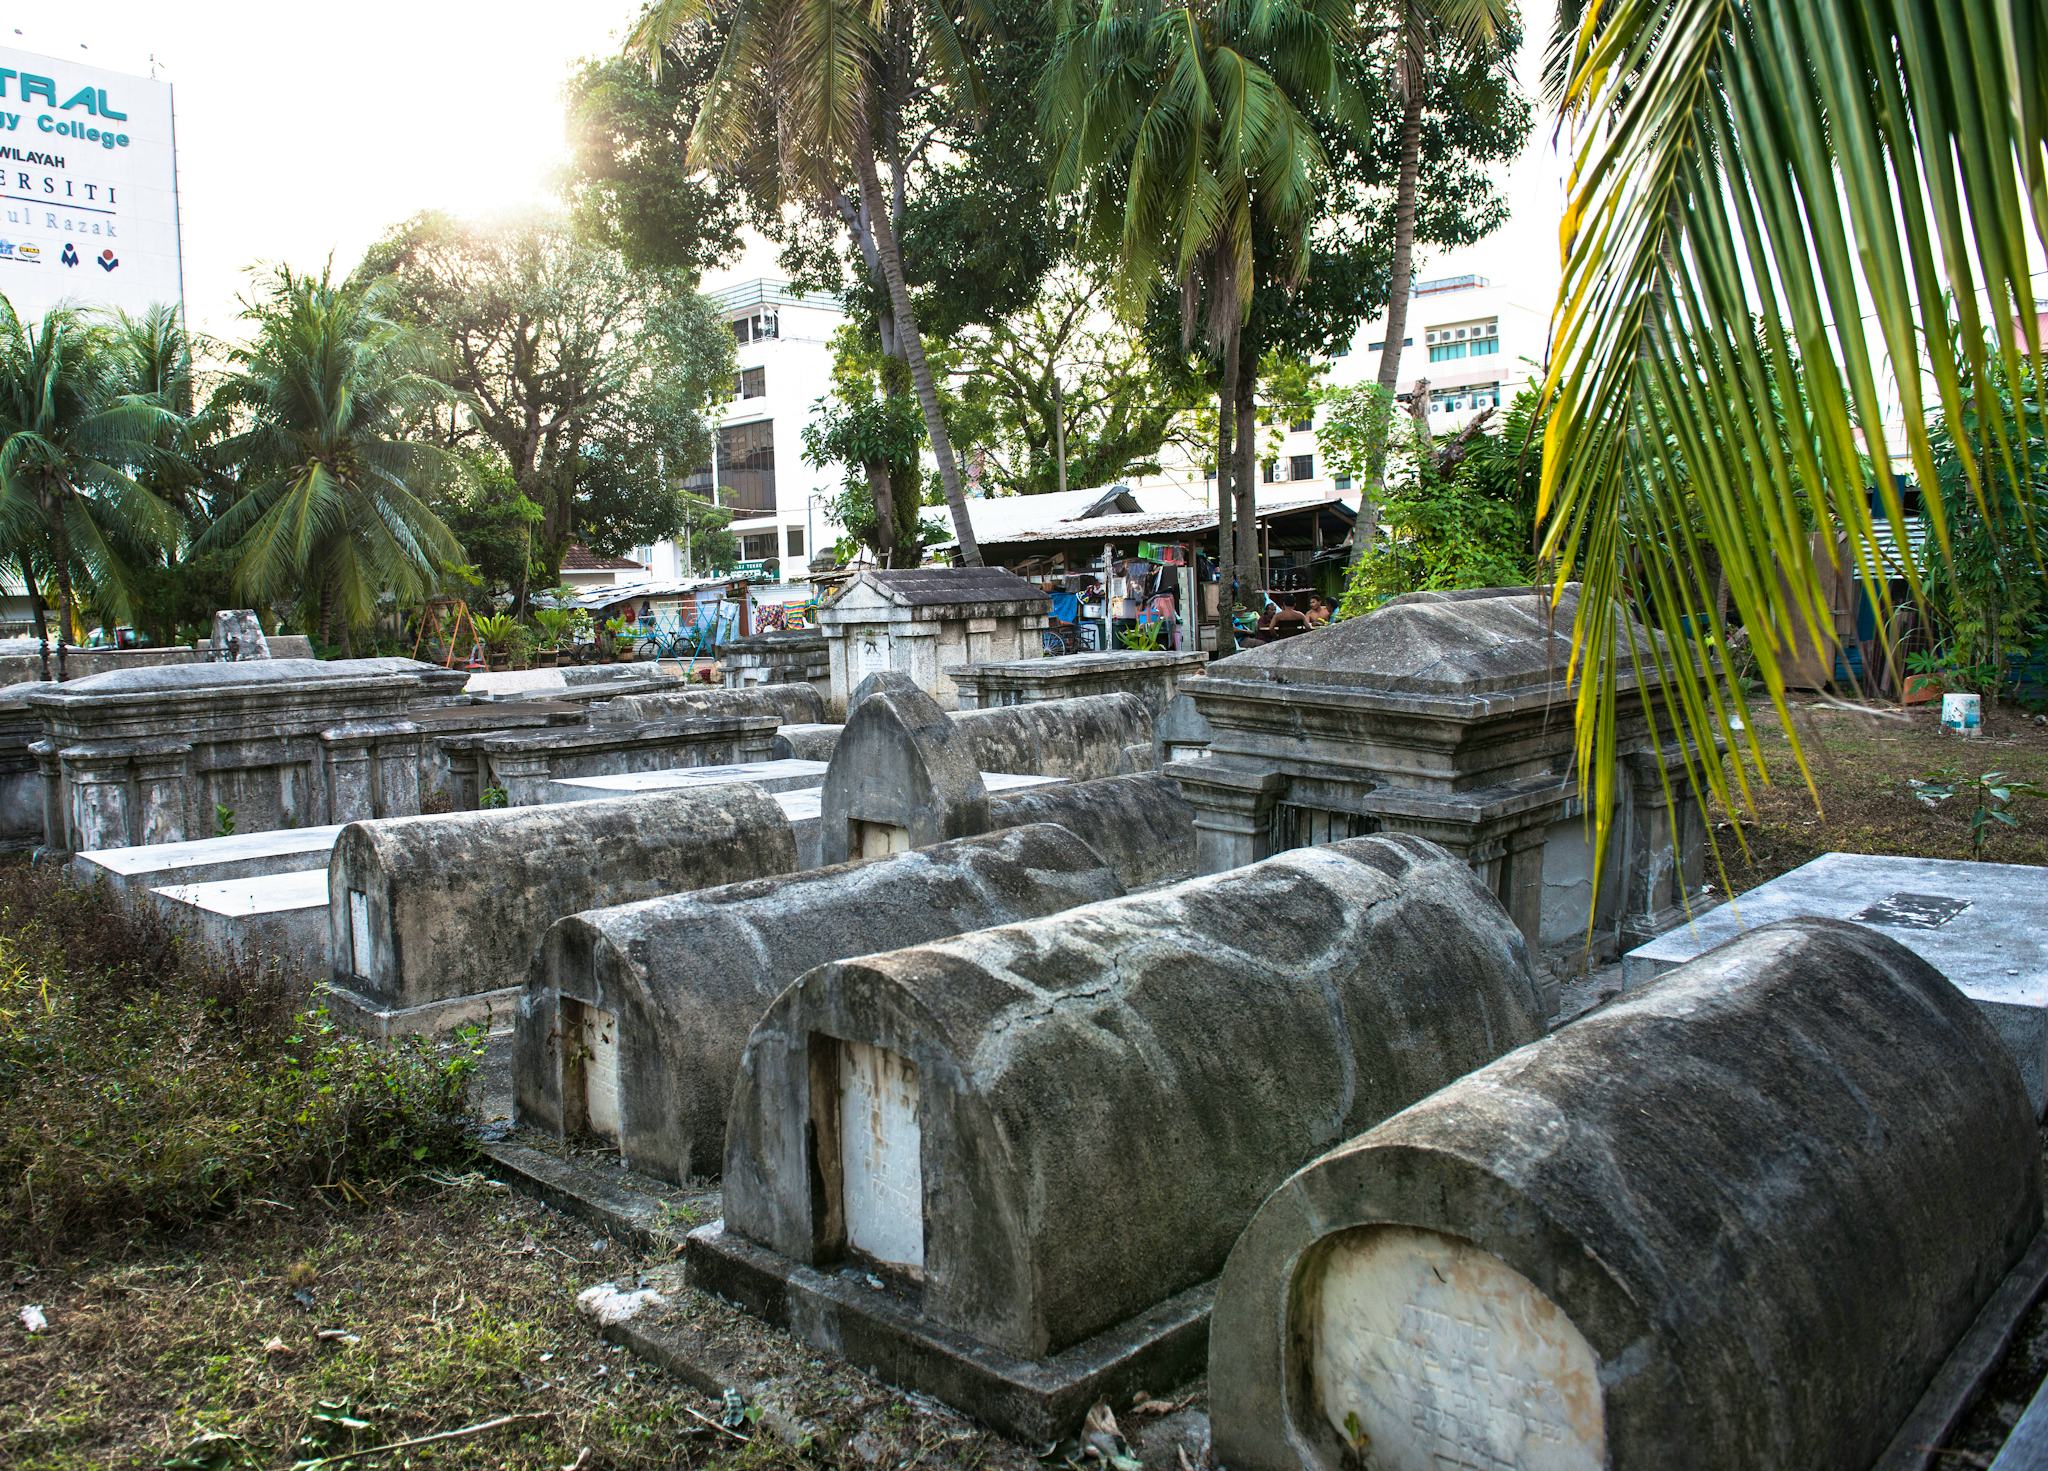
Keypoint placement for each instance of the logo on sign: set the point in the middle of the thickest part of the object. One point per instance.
(108, 260)
(22, 253)
(28, 250)
(69, 254)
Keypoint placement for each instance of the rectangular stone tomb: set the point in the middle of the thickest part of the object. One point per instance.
(278, 915)
(433, 920)
(1743, 1219)
(1005, 1167)
(203, 860)
(769, 776)
(646, 1008)
(1983, 925)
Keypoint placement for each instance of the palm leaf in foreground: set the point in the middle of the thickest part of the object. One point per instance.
(1801, 165)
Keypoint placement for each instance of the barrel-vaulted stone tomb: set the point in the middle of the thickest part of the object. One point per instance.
(433, 921)
(1735, 1221)
(1139, 825)
(633, 1021)
(1041, 1139)
(1079, 739)
(790, 704)
(900, 777)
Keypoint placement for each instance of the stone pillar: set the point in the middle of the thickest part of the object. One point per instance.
(398, 752)
(524, 775)
(1652, 883)
(350, 794)
(1233, 811)
(97, 777)
(56, 836)
(163, 786)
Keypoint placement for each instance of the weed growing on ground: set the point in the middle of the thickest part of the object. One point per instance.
(144, 1085)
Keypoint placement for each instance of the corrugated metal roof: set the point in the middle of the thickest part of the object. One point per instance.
(1144, 525)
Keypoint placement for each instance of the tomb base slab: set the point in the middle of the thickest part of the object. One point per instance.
(373, 1018)
(878, 1330)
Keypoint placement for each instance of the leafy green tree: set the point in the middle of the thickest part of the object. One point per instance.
(874, 435)
(589, 376)
(1181, 131)
(845, 108)
(627, 186)
(1063, 393)
(71, 436)
(1458, 511)
(1422, 31)
(1987, 597)
(334, 508)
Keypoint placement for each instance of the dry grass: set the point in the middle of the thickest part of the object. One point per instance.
(1862, 764)
(456, 1300)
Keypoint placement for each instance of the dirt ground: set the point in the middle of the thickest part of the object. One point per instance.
(324, 1327)
(1862, 763)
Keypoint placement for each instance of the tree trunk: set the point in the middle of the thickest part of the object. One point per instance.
(1059, 430)
(60, 546)
(1398, 287)
(913, 348)
(41, 611)
(1226, 544)
(1248, 477)
(884, 495)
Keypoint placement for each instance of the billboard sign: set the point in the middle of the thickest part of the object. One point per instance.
(88, 187)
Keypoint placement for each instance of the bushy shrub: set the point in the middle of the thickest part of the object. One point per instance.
(144, 1085)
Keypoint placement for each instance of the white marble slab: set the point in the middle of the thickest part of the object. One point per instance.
(273, 893)
(168, 858)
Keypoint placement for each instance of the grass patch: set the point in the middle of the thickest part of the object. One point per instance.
(329, 1325)
(146, 1087)
(1863, 764)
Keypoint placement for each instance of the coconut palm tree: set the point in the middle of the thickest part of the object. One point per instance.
(333, 510)
(1182, 129)
(822, 74)
(1867, 179)
(71, 438)
(1421, 29)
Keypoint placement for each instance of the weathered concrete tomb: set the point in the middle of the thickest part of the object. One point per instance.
(1735, 1221)
(525, 764)
(795, 656)
(1984, 926)
(790, 704)
(1152, 675)
(1041, 1139)
(906, 774)
(1079, 739)
(1446, 715)
(634, 1018)
(925, 622)
(155, 755)
(433, 920)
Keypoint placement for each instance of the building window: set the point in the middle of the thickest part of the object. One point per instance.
(746, 468)
(1266, 471)
(1303, 424)
(757, 546)
(753, 382)
(1376, 346)
(644, 556)
(756, 328)
(1473, 339)
(1343, 482)
(796, 541)
(1303, 467)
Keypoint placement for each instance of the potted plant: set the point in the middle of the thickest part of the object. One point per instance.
(1926, 675)
(621, 639)
(554, 625)
(496, 630)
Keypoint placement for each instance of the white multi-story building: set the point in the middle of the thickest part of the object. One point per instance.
(758, 469)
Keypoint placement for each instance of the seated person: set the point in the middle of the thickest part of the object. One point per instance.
(1288, 617)
(1319, 611)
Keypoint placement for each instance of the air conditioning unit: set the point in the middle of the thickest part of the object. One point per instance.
(1461, 331)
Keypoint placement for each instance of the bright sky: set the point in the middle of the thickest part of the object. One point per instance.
(306, 130)
(309, 129)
